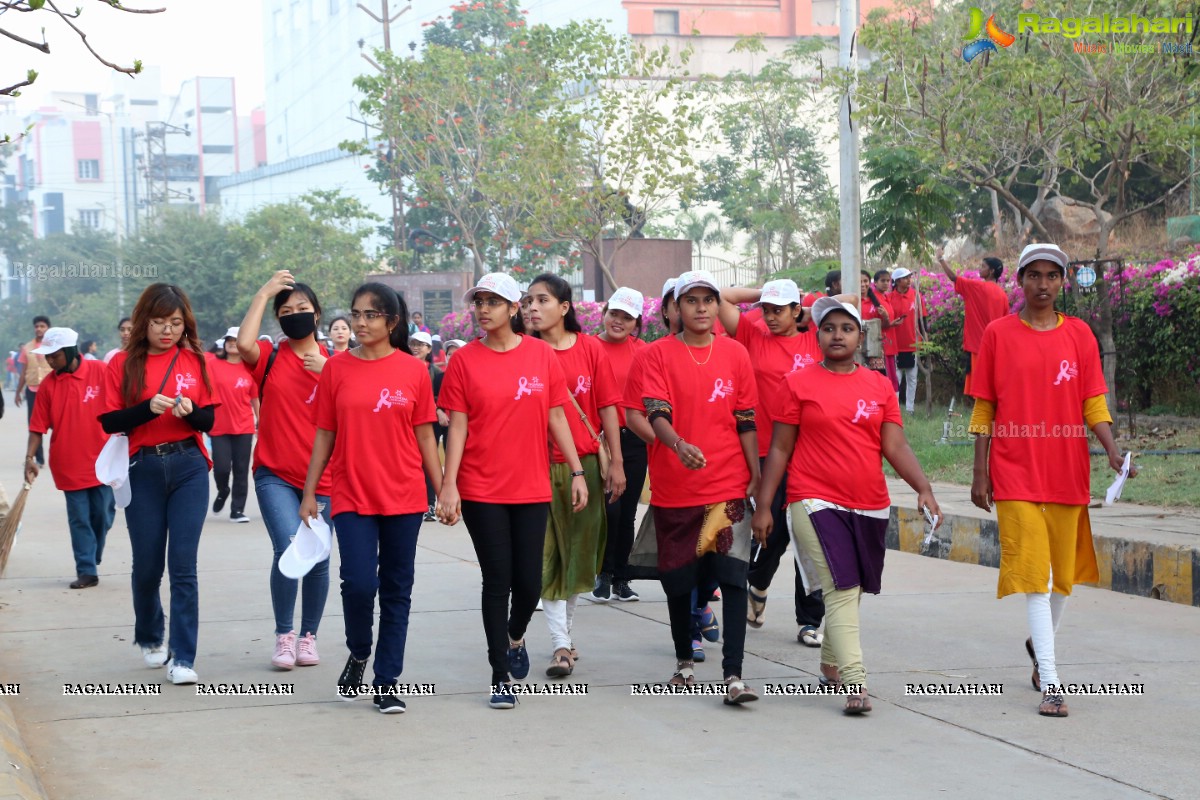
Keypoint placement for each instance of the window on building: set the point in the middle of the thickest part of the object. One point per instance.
(89, 218)
(824, 13)
(437, 303)
(217, 148)
(666, 23)
(89, 169)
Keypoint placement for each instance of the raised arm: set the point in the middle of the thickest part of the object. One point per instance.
(946, 268)
(247, 339)
(728, 312)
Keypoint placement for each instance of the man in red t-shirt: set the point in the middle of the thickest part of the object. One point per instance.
(984, 300)
(69, 400)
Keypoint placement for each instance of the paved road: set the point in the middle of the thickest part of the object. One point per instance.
(937, 621)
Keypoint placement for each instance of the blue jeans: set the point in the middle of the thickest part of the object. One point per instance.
(89, 515)
(378, 556)
(279, 503)
(165, 517)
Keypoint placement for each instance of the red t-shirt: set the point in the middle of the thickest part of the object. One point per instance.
(983, 302)
(186, 379)
(287, 418)
(906, 331)
(620, 357)
(70, 404)
(774, 357)
(1039, 381)
(811, 298)
(870, 312)
(590, 381)
(703, 397)
(507, 398)
(840, 419)
(235, 388)
(373, 408)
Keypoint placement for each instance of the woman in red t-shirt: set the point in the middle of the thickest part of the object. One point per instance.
(377, 399)
(340, 336)
(872, 306)
(575, 540)
(232, 435)
(843, 418)
(883, 290)
(780, 341)
(287, 381)
(621, 342)
(159, 393)
(700, 397)
(504, 392)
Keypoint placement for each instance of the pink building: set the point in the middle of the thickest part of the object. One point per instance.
(774, 19)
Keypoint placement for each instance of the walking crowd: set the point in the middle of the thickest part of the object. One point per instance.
(756, 429)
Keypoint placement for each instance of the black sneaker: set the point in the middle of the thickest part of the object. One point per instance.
(502, 696)
(622, 592)
(350, 682)
(387, 701)
(238, 516)
(518, 661)
(429, 516)
(219, 503)
(602, 592)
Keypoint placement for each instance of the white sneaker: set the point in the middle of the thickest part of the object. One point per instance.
(155, 656)
(180, 675)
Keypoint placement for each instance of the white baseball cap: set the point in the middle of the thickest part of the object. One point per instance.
(782, 292)
(900, 272)
(824, 305)
(498, 283)
(455, 343)
(628, 300)
(669, 286)
(310, 546)
(56, 339)
(1036, 251)
(232, 333)
(690, 280)
(437, 337)
(422, 336)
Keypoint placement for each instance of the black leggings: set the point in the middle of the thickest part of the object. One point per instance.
(231, 453)
(508, 543)
(623, 513)
(810, 608)
(733, 623)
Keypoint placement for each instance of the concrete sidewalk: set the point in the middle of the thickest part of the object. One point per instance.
(937, 622)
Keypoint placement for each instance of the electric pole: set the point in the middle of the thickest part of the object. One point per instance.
(851, 226)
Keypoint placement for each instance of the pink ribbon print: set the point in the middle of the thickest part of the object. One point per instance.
(1064, 372)
(720, 390)
(180, 383)
(91, 393)
(581, 385)
(523, 388)
(384, 401)
(862, 412)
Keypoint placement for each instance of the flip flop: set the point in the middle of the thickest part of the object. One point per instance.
(560, 664)
(857, 704)
(1036, 679)
(809, 636)
(756, 608)
(709, 628)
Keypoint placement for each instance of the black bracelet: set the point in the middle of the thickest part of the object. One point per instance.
(578, 473)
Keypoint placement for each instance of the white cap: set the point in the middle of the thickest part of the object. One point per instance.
(454, 343)
(498, 283)
(422, 336)
(782, 292)
(310, 546)
(232, 333)
(437, 337)
(824, 305)
(900, 272)
(56, 339)
(1033, 252)
(690, 280)
(265, 337)
(669, 286)
(628, 300)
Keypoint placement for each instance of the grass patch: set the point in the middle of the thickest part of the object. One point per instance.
(1171, 480)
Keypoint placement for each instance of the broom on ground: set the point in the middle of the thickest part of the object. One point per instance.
(8, 527)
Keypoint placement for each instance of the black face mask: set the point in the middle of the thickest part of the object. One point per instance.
(300, 325)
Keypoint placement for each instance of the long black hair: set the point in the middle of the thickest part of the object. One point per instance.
(562, 292)
(385, 299)
(302, 288)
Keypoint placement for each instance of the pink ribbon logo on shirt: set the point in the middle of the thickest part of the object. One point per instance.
(384, 402)
(862, 412)
(800, 361)
(311, 397)
(721, 390)
(523, 388)
(1066, 371)
(581, 385)
(90, 393)
(180, 383)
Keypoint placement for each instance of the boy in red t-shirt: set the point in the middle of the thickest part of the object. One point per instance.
(984, 301)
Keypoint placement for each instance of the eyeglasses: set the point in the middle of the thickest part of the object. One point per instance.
(166, 326)
(369, 316)
(491, 302)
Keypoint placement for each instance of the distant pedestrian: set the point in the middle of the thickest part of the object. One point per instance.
(1039, 387)
(909, 309)
(984, 300)
(33, 369)
(233, 432)
(340, 336)
(124, 329)
(88, 350)
(158, 391)
(883, 287)
(873, 307)
(69, 402)
(418, 319)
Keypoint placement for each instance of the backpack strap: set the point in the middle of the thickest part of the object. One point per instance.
(262, 386)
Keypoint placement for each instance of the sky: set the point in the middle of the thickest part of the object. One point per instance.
(217, 38)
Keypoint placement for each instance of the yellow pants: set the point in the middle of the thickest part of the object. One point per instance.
(1040, 539)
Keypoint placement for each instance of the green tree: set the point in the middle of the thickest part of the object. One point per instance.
(74, 282)
(908, 203)
(703, 229)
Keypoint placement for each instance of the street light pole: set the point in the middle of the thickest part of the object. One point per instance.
(851, 230)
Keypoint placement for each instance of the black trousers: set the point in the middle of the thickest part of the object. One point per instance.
(439, 437)
(733, 620)
(30, 399)
(622, 514)
(508, 543)
(231, 454)
(810, 608)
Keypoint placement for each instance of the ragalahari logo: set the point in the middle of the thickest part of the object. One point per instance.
(984, 37)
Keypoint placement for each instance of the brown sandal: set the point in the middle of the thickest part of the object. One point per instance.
(1036, 679)
(830, 678)
(685, 674)
(737, 692)
(561, 664)
(857, 704)
(1052, 705)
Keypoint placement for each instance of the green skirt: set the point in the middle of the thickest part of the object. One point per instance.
(574, 551)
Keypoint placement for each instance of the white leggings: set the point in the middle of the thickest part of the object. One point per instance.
(560, 615)
(1045, 613)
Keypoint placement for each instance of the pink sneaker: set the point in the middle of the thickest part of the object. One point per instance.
(285, 651)
(306, 651)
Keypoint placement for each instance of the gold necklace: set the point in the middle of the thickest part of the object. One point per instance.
(835, 372)
(707, 358)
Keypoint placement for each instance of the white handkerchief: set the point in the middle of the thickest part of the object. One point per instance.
(1114, 492)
